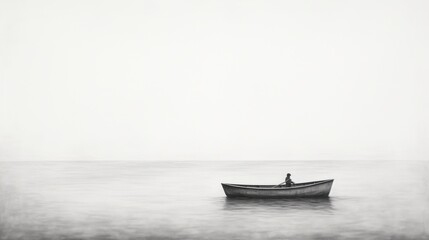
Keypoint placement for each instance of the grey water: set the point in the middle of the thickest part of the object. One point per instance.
(184, 200)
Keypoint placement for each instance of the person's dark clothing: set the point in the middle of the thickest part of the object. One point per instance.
(289, 182)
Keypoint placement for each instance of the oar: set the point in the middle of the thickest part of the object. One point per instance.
(278, 185)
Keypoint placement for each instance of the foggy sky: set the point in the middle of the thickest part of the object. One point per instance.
(214, 80)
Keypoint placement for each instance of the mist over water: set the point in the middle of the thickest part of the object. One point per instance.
(184, 200)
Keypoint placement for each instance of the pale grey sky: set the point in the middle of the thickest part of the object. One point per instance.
(214, 80)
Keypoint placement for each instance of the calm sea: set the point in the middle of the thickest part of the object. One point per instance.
(184, 200)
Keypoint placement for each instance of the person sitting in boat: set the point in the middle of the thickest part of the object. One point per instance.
(288, 181)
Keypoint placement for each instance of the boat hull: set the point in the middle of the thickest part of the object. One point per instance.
(318, 189)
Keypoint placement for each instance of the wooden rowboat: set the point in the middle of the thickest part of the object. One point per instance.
(299, 190)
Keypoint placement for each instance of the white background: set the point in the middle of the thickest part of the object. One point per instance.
(214, 80)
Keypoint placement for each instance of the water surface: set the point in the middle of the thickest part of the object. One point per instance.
(184, 200)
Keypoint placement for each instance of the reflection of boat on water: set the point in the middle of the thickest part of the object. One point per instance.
(317, 189)
(301, 204)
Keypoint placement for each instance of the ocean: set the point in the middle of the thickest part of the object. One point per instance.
(185, 200)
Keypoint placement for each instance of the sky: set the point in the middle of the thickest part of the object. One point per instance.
(214, 80)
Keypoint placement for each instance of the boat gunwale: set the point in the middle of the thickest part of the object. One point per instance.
(273, 187)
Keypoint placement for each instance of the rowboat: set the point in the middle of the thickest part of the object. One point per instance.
(314, 189)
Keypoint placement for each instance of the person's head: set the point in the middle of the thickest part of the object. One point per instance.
(288, 175)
